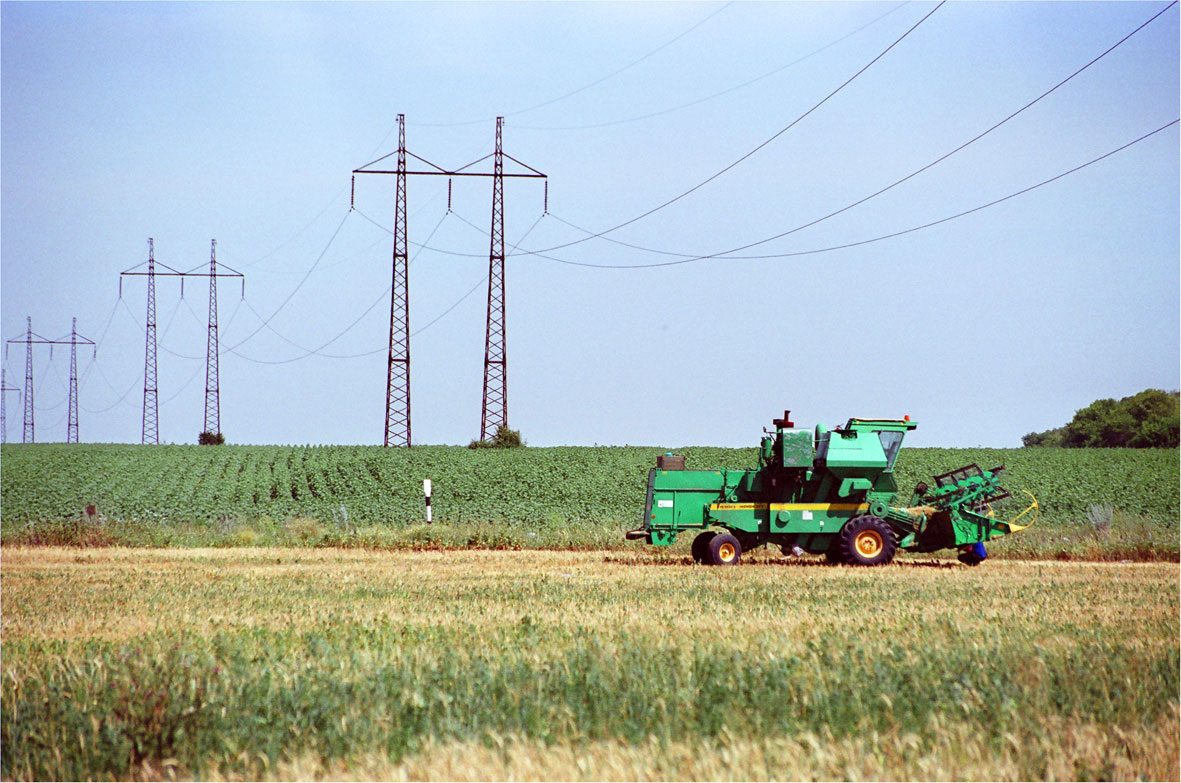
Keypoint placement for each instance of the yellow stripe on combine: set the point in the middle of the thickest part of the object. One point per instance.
(827, 507)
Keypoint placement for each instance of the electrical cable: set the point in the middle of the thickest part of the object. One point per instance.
(482, 280)
(317, 351)
(54, 426)
(319, 214)
(747, 155)
(40, 392)
(172, 317)
(308, 274)
(135, 384)
(106, 327)
(98, 368)
(910, 176)
(229, 323)
(580, 89)
(159, 345)
(39, 378)
(730, 254)
(381, 298)
(196, 318)
(718, 94)
(183, 386)
(884, 236)
(744, 157)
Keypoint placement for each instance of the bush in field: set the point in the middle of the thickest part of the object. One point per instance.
(211, 439)
(503, 439)
(1150, 419)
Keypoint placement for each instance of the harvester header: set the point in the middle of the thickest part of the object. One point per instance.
(829, 492)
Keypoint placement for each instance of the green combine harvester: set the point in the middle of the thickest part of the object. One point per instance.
(825, 492)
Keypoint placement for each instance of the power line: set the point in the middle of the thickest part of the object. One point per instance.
(583, 88)
(911, 230)
(482, 280)
(122, 397)
(299, 285)
(319, 214)
(318, 350)
(747, 155)
(940, 159)
(711, 178)
(718, 94)
(380, 298)
(166, 349)
(730, 254)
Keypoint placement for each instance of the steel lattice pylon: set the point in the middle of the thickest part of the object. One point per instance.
(72, 415)
(495, 409)
(151, 419)
(212, 387)
(495, 414)
(30, 339)
(397, 394)
(29, 433)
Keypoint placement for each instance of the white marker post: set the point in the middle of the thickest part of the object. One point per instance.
(426, 490)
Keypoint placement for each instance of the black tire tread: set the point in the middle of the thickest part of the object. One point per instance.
(847, 549)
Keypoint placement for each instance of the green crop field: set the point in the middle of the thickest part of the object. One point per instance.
(1105, 503)
(358, 664)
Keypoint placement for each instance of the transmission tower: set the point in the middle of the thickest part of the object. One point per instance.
(4, 389)
(212, 380)
(495, 407)
(397, 414)
(72, 417)
(397, 385)
(150, 432)
(28, 436)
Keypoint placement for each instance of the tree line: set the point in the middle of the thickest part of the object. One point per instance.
(1150, 419)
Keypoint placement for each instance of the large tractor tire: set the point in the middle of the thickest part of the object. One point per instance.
(723, 549)
(866, 541)
(701, 546)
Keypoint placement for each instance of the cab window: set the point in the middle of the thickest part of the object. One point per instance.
(891, 441)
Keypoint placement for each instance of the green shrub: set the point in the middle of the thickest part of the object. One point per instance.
(503, 439)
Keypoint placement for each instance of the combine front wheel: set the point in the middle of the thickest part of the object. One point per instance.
(867, 541)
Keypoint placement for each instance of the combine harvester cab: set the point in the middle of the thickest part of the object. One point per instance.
(825, 492)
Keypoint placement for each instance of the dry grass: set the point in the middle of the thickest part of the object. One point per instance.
(1062, 749)
(1058, 663)
(116, 594)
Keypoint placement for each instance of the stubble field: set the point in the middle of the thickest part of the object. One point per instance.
(330, 663)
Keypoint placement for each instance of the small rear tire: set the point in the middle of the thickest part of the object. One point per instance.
(701, 546)
(724, 549)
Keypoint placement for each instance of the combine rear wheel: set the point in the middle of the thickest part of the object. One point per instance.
(866, 541)
(723, 549)
(701, 546)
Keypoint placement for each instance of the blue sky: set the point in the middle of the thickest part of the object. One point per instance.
(242, 122)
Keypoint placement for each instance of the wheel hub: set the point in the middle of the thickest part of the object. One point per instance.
(869, 543)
